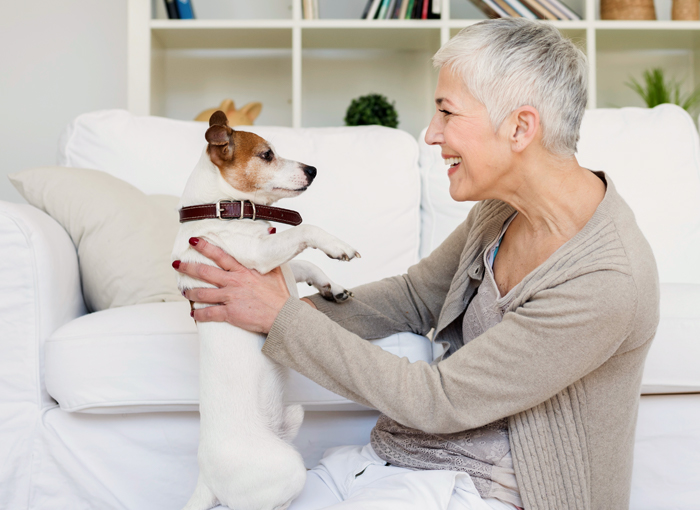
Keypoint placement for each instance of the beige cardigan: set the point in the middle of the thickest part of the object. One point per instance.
(565, 364)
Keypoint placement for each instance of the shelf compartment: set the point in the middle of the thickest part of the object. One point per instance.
(365, 35)
(624, 53)
(200, 35)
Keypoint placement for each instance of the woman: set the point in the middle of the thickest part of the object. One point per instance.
(547, 295)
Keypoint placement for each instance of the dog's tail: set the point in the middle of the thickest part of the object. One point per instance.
(203, 498)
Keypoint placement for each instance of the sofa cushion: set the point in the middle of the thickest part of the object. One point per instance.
(661, 186)
(674, 356)
(145, 358)
(363, 193)
(123, 237)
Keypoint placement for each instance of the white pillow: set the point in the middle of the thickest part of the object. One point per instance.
(653, 157)
(123, 237)
(367, 191)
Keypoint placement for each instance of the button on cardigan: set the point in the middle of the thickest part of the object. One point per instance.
(564, 366)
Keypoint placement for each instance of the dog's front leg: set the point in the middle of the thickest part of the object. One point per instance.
(277, 249)
(313, 275)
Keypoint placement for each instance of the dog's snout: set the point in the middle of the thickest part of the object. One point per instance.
(310, 172)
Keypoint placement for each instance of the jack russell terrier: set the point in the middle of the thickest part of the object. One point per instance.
(246, 459)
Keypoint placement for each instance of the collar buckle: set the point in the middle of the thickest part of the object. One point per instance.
(220, 209)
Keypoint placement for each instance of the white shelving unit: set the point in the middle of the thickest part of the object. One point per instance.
(306, 72)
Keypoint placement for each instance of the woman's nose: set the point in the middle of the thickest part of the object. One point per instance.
(433, 136)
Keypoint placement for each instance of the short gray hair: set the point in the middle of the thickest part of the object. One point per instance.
(512, 62)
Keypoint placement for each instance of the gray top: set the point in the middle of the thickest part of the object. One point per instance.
(564, 366)
(483, 452)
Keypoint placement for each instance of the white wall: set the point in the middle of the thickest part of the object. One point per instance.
(58, 59)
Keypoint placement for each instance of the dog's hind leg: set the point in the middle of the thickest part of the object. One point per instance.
(202, 498)
(293, 418)
(313, 275)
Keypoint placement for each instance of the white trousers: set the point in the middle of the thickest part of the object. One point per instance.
(356, 478)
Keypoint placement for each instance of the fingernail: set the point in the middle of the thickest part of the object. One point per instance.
(183, 294)
(271, 230)
(176, 264)
(192, 314)
(194, 241)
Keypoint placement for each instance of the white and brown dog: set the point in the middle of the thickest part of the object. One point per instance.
(246, 459)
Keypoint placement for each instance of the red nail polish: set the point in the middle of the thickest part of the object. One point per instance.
(271, 230)
(194, 241)
(176, 264)
(192, 314)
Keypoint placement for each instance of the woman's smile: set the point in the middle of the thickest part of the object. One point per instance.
(453, 162)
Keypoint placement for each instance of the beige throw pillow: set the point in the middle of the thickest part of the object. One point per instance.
(123, 237)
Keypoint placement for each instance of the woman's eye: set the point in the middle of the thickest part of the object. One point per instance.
(445, 112)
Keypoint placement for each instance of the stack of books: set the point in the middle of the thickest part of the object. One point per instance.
(532, 9)
(402, 9)
(179, 9)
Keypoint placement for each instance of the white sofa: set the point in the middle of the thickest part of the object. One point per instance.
(98, 410)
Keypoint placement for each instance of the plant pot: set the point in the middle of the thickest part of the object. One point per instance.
(685, 10)
(627, 9)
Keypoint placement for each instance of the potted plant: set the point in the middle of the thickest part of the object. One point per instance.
(371, 109)
(656, 90)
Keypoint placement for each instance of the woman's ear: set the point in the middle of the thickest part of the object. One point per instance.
(524, 127)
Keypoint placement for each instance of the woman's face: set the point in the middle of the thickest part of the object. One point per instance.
(461, 127)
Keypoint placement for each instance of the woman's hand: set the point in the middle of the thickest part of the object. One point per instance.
(243, 297)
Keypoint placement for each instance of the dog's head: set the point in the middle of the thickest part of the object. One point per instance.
(250, 164)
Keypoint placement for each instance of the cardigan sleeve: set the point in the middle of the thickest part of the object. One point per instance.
(409, 302)
(554, 339)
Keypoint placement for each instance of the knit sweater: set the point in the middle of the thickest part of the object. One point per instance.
(564, 366)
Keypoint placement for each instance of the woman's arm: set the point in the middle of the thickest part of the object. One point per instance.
(553, 340)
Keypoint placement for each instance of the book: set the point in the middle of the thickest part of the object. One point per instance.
(404, 8)
(315, 7)
(390, 10)
(184, 9)
(424, 12)
(512, 13)
(308, 9)
(417, 9)
(374, 9)
(383, 9)
(521, 9)
(539, 10)
(171, 8)
(365, 12)
(568, 12)
(397, 9)
(490, 8)
(435, 9)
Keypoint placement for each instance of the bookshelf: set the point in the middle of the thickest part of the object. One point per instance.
(306, 72)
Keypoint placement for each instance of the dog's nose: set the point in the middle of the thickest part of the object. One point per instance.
(310, 171)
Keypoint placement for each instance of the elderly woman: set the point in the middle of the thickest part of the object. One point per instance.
(547, 296)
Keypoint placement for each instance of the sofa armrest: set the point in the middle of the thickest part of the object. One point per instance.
(39, 292)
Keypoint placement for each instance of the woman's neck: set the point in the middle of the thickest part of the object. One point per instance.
(554, 196)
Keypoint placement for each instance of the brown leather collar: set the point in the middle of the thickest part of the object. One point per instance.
(231, 210)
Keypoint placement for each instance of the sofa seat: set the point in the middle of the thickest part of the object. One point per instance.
(145, 358)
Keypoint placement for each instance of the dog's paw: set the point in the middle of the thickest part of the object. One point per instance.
(333, 292)
(341, 251)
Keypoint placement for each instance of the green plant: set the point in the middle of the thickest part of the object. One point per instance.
(656, 90)
(371, 109)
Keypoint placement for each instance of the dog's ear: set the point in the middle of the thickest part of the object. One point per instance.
(218, 118)
(218, 135)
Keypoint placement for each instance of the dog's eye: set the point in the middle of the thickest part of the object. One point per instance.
(267, 155)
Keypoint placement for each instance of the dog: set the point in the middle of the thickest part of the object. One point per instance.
(246, 459)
